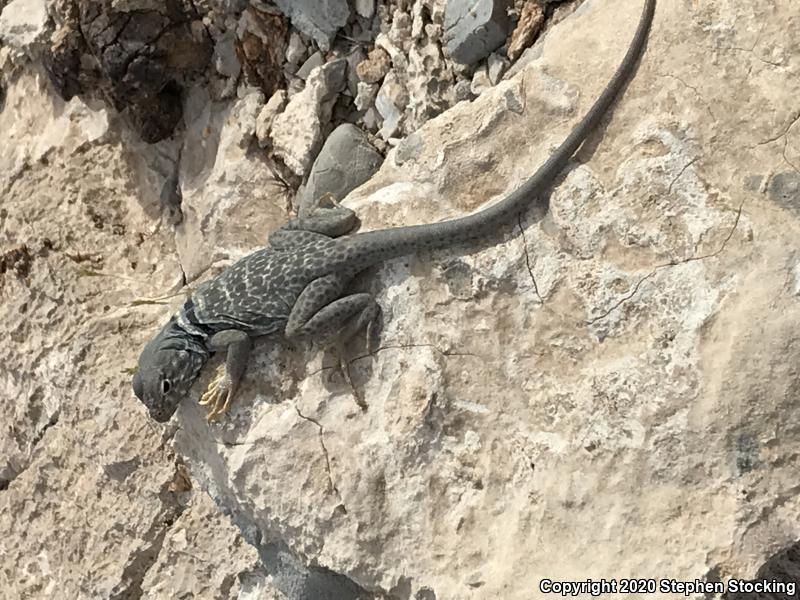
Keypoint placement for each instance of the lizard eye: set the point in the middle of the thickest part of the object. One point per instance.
(165, 386)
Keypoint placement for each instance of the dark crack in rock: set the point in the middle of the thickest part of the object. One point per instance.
(138, 56)
(262, 38)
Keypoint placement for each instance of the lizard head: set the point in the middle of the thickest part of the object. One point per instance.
(168, 366)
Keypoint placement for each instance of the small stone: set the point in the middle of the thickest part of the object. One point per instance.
(497, 65)
(314, 61)
(463, 91)
(480, 81)
(355, 57)
(225, 61)
(391, 101)
(267, 115)
(372, 119)
(296, 49)
(366, 95)
(375, 66)
(474, 28)
(365, 8)
(346, 160)
(528, 27)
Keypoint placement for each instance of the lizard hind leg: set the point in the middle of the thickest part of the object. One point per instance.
(331, 321)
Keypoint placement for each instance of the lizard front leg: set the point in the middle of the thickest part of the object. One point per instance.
(223, 387)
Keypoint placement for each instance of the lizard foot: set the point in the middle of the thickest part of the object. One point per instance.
(218, 395)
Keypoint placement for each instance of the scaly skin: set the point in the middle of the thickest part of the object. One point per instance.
(294, 285)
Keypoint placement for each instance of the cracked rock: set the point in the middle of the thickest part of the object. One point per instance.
(390, 102)
(475, 28)
(375, 67)
(261, 47)
(267, 115)
(141, 58)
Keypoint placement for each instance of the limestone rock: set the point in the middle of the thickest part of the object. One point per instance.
(320, 19)
(297, 131)
(267, 115)
(390, 102)
(262, 44)
(23, 24)
(474, 28)
(617, 383)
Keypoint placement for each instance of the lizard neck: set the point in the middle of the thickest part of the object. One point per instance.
(366, 249)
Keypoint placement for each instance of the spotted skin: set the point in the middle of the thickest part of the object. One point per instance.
(295, 285)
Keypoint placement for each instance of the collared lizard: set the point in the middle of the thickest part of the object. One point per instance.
(296, 284)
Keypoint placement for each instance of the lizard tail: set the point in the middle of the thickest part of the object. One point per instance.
(366, 249)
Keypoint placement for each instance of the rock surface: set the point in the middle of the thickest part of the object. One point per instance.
(611, 394)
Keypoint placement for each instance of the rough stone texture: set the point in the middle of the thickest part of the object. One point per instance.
(23, 23)
(320, 19)
(346, 161)
(530, 23)
(612, 394)
(297, 131)
(138, 54)
(474, 28)
(92, 498)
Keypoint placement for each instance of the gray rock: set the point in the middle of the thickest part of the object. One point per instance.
(296, 49)
(314, 61)
(463, 90)
(354, 58)
(480, 81)
(475, 28)
(498, 65)
(365, 8)
(346, 160)
(391, 102)
(320, 19)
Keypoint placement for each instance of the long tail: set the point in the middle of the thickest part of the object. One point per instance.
(365, 249)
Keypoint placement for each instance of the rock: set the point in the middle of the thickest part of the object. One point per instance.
(429, 81)
(346, 160)
(474, 28)
(375, 67)
(365, 8)
(296, 49)
(354, 58)
(262, 44)
(366, 95)
(497, 65)
(527, 30)
(463, 90)
(297, 131)
(23, 24)
(225, 60)
(319, 19)
(314, 61)
(267, 115)
(480, 81)
(141, 59)
(390, 102)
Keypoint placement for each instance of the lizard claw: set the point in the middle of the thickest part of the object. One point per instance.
(343, 368)
(218, 395)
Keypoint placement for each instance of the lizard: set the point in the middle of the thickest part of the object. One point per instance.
(296, 285)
